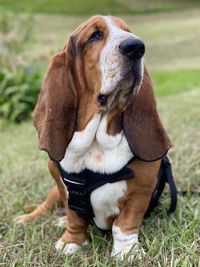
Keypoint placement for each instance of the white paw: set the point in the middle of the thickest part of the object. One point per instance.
(68, 249)
(131, 252)
(126, 245)
(61, 222)
(20, 220)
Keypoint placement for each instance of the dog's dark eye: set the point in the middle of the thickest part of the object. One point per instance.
(96, 36)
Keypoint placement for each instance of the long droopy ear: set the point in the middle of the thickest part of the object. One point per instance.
(142, 126)
(55, 113)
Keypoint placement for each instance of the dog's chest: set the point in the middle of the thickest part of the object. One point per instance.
(95, 150)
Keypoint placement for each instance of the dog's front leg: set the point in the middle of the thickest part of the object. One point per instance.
(133, 207)
(125, 233)
(75, 236)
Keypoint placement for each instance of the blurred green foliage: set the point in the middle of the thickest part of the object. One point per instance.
(19, 84)
(19, 90)
(170, 82)
(87, 7)
(15, 35)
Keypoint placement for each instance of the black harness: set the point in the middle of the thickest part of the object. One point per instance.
(80, 186)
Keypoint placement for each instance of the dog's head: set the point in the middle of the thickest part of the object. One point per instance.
(103, 62)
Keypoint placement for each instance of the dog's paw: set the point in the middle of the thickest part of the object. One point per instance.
(131, 253)
(22, 219)
(61, 222)
(68, 248)
(126, 245)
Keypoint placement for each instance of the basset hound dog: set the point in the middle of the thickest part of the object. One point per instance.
(96, 112)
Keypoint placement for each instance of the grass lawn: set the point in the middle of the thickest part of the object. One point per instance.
(172, 41)
(98, 6)
(168, 241)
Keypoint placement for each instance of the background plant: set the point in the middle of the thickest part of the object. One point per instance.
(19, 84)
(18, 92)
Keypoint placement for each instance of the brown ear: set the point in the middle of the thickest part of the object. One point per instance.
(55, 112)
(142, 126)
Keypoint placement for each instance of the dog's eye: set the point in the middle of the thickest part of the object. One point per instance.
(96, 36)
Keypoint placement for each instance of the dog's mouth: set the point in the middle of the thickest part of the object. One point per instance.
(133, 77)
(129, 85)
(137, 81)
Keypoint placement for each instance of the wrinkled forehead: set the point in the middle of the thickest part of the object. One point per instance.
(108, 24)
(115, 24)
(117, 28)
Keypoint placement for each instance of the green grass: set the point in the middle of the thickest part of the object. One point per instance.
(168, 241)
(176, 81)
(98, 6)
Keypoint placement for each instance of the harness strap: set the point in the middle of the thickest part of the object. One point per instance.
(81, 185)
(164, 176)
(172, 186)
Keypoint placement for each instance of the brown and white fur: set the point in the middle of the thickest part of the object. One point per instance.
(77, 130)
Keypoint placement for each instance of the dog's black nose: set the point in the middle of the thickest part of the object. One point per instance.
(132, 48)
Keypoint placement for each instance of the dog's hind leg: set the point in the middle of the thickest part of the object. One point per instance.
(42, 209)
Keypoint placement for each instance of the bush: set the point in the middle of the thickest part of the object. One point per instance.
(18, 93)
(19, 85)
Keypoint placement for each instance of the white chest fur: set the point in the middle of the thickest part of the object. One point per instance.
(95, 150)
